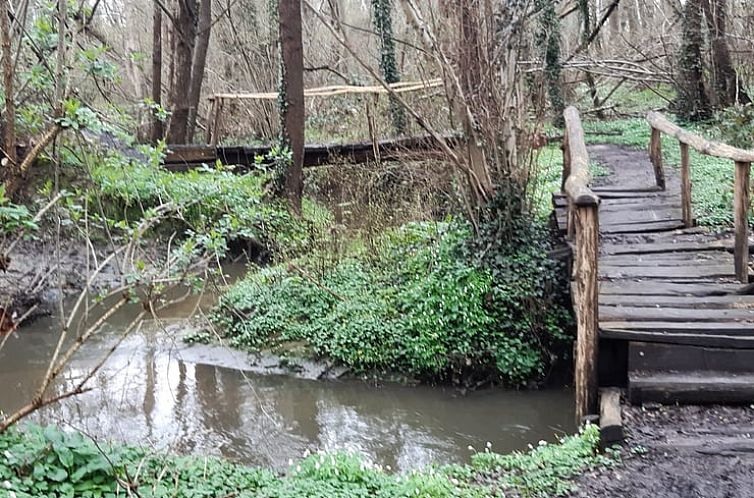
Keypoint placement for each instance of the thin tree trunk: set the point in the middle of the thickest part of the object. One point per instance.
(157, 128)
(292, 92)
(199, 63)
(725, 79)
(9, 128)
(185, 34)
(383, 23)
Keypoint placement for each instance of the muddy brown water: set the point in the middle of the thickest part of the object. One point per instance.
(156, 391)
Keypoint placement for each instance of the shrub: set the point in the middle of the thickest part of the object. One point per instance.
(426, 302)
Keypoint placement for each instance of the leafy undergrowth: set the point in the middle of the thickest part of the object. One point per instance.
(711, 177)
(46, 462)
(423, 300)
(214, 206)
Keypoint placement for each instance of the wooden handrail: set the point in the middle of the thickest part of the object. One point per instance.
(583, 229)
(741, 201)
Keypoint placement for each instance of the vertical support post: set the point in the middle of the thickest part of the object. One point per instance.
(740, 215)
(688, 217)
(586, 306)
(211, 132)
(655, 155)
(566, 162)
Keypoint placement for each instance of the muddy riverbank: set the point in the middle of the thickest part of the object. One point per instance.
(680, 452)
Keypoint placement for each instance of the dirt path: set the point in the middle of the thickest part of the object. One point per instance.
(680, 452)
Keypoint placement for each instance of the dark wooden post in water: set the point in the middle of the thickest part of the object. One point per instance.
(741, 202)
(655, 155)
(741, 220)
(686, 213)
(583, 216)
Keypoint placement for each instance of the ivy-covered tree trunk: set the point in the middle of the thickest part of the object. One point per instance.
(724, 76)
(549, 39)
(291, 99)
(383, 24)
(9, 116)
(692, 102)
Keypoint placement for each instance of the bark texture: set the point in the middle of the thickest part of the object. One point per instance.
(292, 96)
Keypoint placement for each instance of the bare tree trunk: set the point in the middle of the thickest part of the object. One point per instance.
(725, 79)
(9, 128)
(157, 128)
(693, 103)
(292, 93)
(185, 34)
(199, 63)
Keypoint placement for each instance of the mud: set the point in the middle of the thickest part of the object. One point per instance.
(38, 275)
(680, 452)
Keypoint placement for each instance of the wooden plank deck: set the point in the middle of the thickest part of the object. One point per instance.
(665, 285)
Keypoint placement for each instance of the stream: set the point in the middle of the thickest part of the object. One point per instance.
(157, 391)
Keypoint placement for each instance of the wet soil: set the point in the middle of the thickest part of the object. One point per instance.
(680, 452)
(37, 275)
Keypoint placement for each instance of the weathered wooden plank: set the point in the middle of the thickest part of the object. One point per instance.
(691, 387)
(649, 227)
(656, 314)
(634, 216)
(682, 338)
(662, 247)
(611, 422)
(736, 329)
(648, 272)
(644, 356)
(616, 189)
(676, 301)
(668, 259)
(666, 288)
(740, 217)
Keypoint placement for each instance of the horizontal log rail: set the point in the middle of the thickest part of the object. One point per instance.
(219, 100)
(583, 231)
(742, 159)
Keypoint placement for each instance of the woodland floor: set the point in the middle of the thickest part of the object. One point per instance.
(680, 452)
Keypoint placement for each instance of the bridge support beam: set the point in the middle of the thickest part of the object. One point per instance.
(586, 304)
(741, 214)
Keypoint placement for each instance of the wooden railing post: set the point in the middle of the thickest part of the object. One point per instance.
(741, 221)
(688, 217)
(655, 155)
(586, 298)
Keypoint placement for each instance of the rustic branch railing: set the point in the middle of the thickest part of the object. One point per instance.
(218, 101)
(742, 158)
(583, 232)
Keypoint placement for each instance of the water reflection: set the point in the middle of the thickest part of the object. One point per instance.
(149, 394)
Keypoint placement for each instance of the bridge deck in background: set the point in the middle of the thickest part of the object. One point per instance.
(667, 294)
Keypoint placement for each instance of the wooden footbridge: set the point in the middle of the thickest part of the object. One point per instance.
(663, 308)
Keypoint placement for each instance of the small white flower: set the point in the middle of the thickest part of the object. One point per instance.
(290, 462)
(454, 481)
(11, 494)
(388, 468)
(542, 443)
(470, 448)
(306, 452)
(6, 484)
(489, 444)
(530, 446)
(317, 466)
(298, 468)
